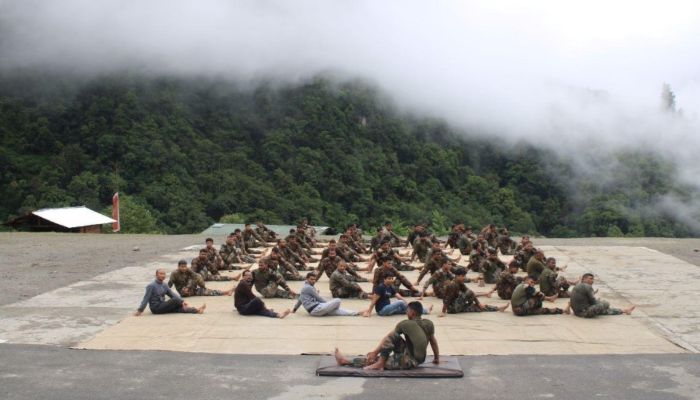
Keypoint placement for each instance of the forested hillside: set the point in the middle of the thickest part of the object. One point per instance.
(185, 153)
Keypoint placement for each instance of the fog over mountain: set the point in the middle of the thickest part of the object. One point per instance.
(582, 78)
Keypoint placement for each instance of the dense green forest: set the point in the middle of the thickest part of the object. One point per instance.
(185, 153)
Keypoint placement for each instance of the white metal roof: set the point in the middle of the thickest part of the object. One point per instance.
(73, 217)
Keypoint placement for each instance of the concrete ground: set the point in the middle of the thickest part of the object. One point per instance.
(87, 374)
(40, 267)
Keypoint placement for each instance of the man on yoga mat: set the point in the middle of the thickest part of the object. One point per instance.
(155, 298)
(396, 351)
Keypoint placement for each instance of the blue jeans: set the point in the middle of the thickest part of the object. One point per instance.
(397, 307)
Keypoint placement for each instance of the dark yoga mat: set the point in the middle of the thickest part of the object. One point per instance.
(448, 368)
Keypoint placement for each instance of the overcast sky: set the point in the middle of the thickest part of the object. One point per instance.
(560, 73)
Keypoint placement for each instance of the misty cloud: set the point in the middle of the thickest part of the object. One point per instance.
(583, 78)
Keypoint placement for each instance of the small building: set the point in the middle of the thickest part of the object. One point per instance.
(67, 219)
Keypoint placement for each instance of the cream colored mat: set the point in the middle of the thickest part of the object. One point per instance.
(221, 330)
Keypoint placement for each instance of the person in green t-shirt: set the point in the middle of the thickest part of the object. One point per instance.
(403, 348)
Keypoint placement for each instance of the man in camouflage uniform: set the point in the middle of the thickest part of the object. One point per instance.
(208, 270)
(268, 282)
(251, 238)
(385, 251)
(287, 270)
(507, 282)
(524, 255)
(330, 264)
(492, 267)
(264, 232)
(387, 267)
(490, 235)
(505, 244)
(213, 254)
(189, 283)
(289, 255)
(551, 283)
(464, 242)
(460, 299)
(377, 240)
(420, 249)
(230, 254)
(536, 265)
(585, 304)
(396, 353)
(344, 285)
(350, 253)
(526, 300)
(439, 280)
(388, 232)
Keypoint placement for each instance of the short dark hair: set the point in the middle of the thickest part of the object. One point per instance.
(417, 307)
(389, 275)
(183, 261)
(460, 271)
(310, 274)
(202, 251)
(586, 275)
(385, 259)
(208, 240)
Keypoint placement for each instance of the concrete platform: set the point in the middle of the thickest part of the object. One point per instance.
(95, 314)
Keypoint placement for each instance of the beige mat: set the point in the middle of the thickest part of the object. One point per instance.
(221, 330)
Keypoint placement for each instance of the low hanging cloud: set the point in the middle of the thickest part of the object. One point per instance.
(582, 78)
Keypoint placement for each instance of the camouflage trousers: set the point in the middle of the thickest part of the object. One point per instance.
(395, 353)
(463, 304)
(199, 291)
(404, 267)
(533, 306)
(290, 274)
(232, 267)
(208, 276)
(345, 293)
(273, 290)
(601, 307)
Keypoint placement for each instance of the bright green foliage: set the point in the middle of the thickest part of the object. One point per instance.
(187, 153)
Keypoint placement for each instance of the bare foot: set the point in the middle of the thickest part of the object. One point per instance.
(364, 313)
(552, 298)
(340, 359)
(567, 310)
(628, 311)
(237, 276)
(377, 366)
(285, 313)
(503, 308)
(430, 309)
(201, 309)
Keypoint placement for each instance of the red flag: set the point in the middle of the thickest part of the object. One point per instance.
(115, 212)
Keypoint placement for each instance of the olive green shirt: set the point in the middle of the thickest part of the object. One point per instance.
(519, 296)
(582, 297)
(417, 333)
(535, 267)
